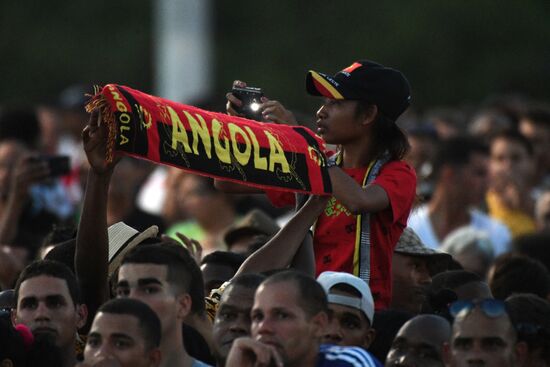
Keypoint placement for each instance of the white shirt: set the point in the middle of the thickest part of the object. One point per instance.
(498, 233)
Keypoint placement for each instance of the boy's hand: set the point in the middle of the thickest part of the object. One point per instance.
(274, 111)
(94, 137)
(232, 100)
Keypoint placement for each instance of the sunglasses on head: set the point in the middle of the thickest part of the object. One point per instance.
(490, 307)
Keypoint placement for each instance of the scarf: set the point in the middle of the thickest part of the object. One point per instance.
(264, 155)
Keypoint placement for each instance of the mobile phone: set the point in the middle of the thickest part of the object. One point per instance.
(251, 98)
(59, 165)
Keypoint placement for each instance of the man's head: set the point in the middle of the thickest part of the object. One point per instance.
(244, 233)
(126, 330)
(513, 273)
(482, 335)
(48, 302)
(531, 318)
(218, 267)
(290, 313)
(166, 278)
(451, 286)
(420, 342)
(364, 98)
(471, 247)
(511, 154)
(461, 162)
(352, 310)
(413, 265)
(233, 315)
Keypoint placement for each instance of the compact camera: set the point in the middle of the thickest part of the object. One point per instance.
(251, 99)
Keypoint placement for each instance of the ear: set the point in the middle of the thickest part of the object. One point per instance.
(155, 357)
(320, 323)
(13, 316)
(370, 334)
(183, 303)
(369, 115)
(446, 354)
(81, 315)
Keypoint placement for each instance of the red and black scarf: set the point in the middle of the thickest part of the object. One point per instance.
(265, 155)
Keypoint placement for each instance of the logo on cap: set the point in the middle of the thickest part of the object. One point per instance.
(352, 67)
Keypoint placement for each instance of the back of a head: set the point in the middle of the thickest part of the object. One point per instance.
(525, 308)
(453, 279)
(53, 269)
(311, 295)
(456, 152)
(436, 327)
(530, 316)
(184, 274)
(513, 273)
(451, 286)
(148, 320)
(466, 239)
(64, 253)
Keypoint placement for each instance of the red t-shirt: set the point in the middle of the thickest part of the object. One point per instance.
(335, 231)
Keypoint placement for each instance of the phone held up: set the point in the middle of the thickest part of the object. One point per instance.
(59, 165)
(251, 98)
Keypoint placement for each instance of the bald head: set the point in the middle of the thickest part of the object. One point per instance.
(420, 342)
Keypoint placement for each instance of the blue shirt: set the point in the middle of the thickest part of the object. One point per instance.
(197, 363)
(336, 356)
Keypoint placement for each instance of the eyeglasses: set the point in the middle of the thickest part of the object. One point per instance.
(490, 307)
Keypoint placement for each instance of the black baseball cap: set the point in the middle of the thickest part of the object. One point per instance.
(364, 80)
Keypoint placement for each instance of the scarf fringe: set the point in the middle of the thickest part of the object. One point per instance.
(99, 103)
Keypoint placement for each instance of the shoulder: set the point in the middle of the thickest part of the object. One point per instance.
(397, 173)
(398, 166)
(333, 355)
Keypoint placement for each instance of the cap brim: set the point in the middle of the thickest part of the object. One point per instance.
(318, 84)
(122, 239)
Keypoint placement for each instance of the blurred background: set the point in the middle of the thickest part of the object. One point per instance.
(454, 53)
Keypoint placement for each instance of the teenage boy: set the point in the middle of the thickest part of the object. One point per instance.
(373, 189)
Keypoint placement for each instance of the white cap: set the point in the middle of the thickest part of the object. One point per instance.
(329, 279)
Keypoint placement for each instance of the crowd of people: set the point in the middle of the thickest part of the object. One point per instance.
(429, 252)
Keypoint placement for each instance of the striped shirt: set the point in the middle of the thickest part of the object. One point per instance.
(336, 356)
